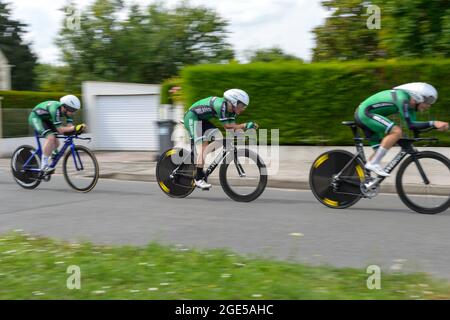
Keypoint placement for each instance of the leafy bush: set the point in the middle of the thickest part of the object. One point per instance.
(16, 106)
(169, 92)
(307, 102)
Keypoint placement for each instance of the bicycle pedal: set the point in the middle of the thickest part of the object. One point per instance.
(206, 189)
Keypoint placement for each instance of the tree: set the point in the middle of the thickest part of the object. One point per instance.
(51, 78)
(271, 55)
(414, 28)
(148, 46)
(345, 36)
(17, 51)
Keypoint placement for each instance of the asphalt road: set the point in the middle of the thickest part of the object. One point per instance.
(284, 224)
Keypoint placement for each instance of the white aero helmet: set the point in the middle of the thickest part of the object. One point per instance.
(420, 91)
(71, 101)
(236, 95)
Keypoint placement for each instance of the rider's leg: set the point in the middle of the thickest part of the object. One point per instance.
(201, 154)
(387, 143)
(44, 129)
(50, 144)
(377, 126)
(210, 136)
(203, 132)
(55, 150)
(199, 178)
(194, 126)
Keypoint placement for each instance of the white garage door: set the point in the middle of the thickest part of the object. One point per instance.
(127, 122)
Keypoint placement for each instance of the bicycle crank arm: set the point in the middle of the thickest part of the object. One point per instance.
(186, 175)
(350, 182)
(372, 184)
(349, 193)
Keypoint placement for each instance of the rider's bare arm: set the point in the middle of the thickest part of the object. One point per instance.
(66, 129)
(234, 126)
(440, 125)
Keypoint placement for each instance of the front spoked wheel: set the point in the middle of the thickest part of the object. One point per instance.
(337, 192)
(25, 165)
(80, 168)
(243, 175)
(423, 182)
(175, 173)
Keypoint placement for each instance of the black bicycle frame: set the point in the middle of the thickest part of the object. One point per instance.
(407, 148)
(219, 158)
(359, 152)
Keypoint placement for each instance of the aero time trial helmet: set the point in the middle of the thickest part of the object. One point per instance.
(236, 95)
(71, 102)
(420, 91)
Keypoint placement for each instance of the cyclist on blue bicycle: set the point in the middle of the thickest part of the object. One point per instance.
(45, 118)
(405, 100)
(196, 122)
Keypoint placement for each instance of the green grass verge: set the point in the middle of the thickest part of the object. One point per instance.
(36, 268)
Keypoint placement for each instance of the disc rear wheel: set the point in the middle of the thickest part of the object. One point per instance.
(25, 164)
(175, 173)
(337, 193)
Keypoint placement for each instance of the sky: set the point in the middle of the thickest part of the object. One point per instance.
(254, 24)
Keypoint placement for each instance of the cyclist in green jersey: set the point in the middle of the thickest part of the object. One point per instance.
(45, 118)
(233, 103)
(406, 100)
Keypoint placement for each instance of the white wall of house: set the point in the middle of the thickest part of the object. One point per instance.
(1, 119)
(5, 73)
(122, 116)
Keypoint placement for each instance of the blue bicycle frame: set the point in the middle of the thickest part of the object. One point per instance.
(68, 143)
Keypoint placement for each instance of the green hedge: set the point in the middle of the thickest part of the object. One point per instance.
(166, 86)
(16, 106)
(307, 102)
(28, 99)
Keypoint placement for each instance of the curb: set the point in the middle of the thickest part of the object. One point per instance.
(271, 183)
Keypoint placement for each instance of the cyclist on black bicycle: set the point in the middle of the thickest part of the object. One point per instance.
(45, 118)
(406, 100)
(196, 122)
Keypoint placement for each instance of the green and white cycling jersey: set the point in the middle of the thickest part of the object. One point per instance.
(46, 117)
(196, 118)
(212, 107)
(372, 114)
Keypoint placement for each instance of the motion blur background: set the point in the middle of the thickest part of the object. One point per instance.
(303, 62)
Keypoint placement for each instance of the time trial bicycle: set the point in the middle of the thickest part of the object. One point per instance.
(80, 166)
(243, 174)
(338, 178)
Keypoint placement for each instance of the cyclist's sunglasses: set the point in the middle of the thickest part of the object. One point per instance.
(70, 109)
(241, 104)
(429, 100)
